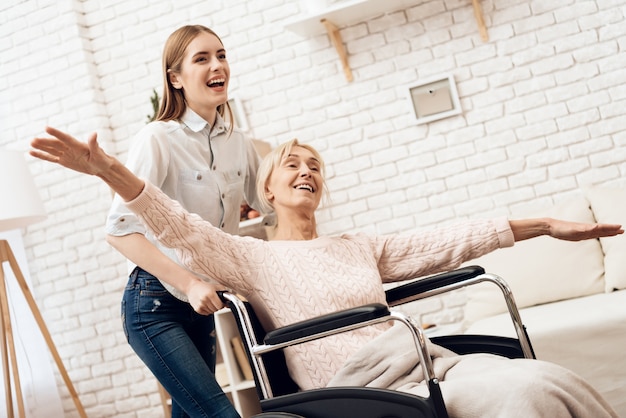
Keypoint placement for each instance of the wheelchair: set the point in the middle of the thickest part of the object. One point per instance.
(280, 397)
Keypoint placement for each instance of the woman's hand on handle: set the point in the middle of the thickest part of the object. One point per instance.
(203, 297)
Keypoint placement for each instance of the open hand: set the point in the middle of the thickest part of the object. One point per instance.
(575, 231)
(65, 150)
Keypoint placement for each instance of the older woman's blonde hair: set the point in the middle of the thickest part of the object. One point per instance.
(271, 161)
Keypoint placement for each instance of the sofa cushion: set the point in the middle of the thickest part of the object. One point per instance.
(585, 335)
(609, 206)
(541, 269)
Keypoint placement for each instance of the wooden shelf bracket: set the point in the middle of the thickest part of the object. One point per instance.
(478, 14)
(351, 11)
(335, 37)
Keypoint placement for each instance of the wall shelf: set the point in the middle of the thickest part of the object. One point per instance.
(345, 13)
(330, 19)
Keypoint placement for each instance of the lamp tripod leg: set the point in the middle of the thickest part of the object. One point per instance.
(7, 255)
(8, 393)
(9, 345)
(5, 368)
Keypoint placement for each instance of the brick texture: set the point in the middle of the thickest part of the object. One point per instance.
(543, 116)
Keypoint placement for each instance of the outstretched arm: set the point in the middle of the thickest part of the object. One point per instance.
(89, 158)
(556, 228)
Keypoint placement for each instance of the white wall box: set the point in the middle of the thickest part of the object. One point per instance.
(433, 98)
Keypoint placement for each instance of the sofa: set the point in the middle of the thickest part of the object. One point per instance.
(571, 295)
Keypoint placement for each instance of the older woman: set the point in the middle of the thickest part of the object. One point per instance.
(299, 275)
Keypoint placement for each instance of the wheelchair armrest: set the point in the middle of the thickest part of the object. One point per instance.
(426, 284)
(326, 323)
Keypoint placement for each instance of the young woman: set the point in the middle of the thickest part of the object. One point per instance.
(194, 156)
(300, 274)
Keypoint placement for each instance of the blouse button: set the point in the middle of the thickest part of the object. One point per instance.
(239, 173)
(214, 168)
(223, 195)
(198, 176)
(223, 225)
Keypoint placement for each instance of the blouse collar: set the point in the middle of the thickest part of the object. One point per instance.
(195, 122)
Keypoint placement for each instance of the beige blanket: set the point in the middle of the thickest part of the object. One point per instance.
(477, 385)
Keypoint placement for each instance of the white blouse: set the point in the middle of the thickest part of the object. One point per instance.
(204, 168)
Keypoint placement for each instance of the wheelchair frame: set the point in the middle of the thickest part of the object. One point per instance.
(335, 402)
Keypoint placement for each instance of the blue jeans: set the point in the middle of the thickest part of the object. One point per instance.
(177, 344)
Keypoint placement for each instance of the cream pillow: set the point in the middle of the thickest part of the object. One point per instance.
(542, 269)
(609, 206)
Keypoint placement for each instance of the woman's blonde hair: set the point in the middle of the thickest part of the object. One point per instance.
(173, 103)
(273, 160)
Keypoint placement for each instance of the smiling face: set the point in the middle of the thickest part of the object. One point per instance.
(296, 182)
(204, 75)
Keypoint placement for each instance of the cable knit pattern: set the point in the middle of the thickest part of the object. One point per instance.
(288, 281)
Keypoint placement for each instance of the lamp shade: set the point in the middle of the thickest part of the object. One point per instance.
(20, 203)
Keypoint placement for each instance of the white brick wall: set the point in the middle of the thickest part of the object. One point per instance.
(543, 115)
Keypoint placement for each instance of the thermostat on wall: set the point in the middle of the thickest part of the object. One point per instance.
(433, 99)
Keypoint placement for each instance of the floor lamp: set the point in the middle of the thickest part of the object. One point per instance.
(21, 206)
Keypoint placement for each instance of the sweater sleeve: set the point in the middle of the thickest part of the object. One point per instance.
(201, 247)
(407, 256)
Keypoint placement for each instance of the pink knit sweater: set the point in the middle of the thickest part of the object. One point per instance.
(289, 281)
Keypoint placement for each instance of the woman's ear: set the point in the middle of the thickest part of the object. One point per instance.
(268, 194)
(174, 80)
